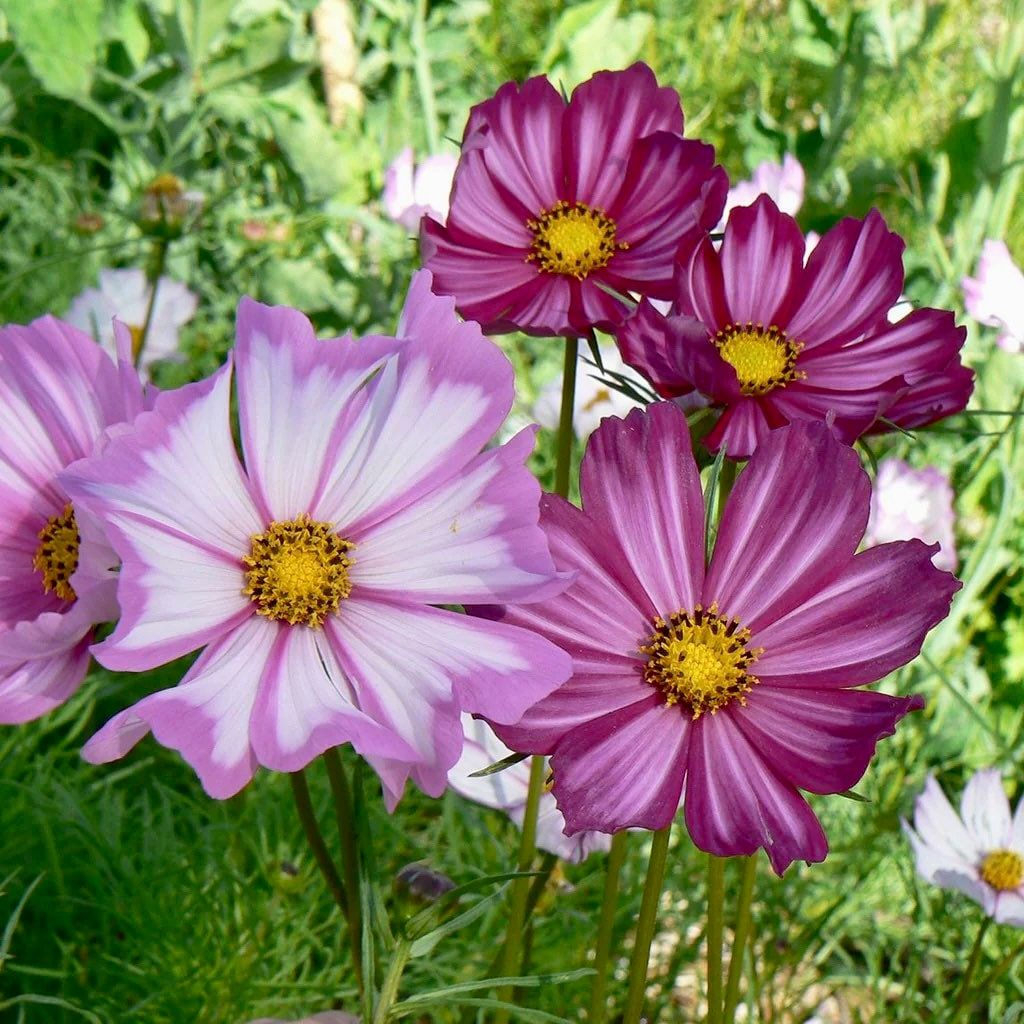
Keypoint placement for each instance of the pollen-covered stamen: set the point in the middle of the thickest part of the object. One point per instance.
(57, 555)
(1003, 870)
(574, 239)
(298, 571)
(700, 659)
(137, 334)
(763, 357)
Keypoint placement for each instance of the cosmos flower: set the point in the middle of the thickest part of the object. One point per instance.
(783, 183)
(553, 200)
(507, 790)
(996, 296)
(60, 396)
(979, 852)
(409, 195)
(908, 503)
(739, 680)
(125, 294)
(772, 341)
(309, 575)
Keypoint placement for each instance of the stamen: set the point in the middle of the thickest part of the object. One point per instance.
(57, 555)
(573, 239)
(1003, 870)
(763, 357)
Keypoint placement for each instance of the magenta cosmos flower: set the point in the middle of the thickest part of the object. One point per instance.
(772, 341)
(60, 394)
(310, 574)
(553, 200)
(739, 679)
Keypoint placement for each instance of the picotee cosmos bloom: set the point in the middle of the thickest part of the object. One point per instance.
(736, 683)
(309, 576)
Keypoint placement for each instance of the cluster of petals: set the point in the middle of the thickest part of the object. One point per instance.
(61, 397)
(819, 621)
(375, 446)
(804, 342)
(412, 192)
(995, 296)
(980, 851)
(556, 202)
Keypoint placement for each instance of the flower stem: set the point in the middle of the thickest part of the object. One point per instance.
(424, 77)
(740, 937)
(972, 966)
(344, 817)
(153, 275)
(645, 926)
(307, 816)
(393, 978)
(716, 899)
(563, 451)
(602, 949)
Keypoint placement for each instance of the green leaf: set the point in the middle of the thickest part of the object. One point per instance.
(499, 766)
(426, 943)
(850, 794)
(59, 40)
(516, 1012)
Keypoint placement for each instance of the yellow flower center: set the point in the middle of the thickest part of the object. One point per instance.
(298, 571)
(1003, 869)
(57, 555)
(763, 357)
(574, 239)
(700, 659)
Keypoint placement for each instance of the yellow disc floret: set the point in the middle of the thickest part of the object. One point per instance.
(700, 659)
(763, 357)
(298, 571)
(57, 555)
(573, 239)
(1003, 869)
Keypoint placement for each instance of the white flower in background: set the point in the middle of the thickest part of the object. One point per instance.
(783, 182)
(593, 399)
(506, 791)
(908, 503)
(125, 294)
(409, 194)
(979, 852)
(996, 296)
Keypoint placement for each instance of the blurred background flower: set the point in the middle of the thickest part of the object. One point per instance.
(995, 296)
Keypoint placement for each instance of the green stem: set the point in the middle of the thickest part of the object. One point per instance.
(716, 899)
(972, 966)
(740, 937)
(307, 816)
(344, 817)
(602, 949)
(563, 456)
(645, 926)
(393, 978)
(153, 275)
(424, 77)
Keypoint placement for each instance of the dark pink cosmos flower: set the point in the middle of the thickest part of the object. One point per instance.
(739, 680)
(774, 341)
(552, 200)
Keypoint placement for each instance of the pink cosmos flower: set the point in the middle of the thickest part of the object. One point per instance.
(783, 183)
(979, 852)
(60, 396)
(553, 200)
(507, 790)
(410, 195)
(739, 680)
(772, 341)
(908, 503)
(309, 574)
(996, 296)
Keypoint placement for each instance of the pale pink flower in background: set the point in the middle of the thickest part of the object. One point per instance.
(908, 503)
(125, 294)
(996, 296)
(783, 182)
(410, 193)
(506, 791)
(329, 1017)
(979, 852)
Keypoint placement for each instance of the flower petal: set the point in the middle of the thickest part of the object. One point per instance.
(986, 810)
(948, 872)
(33, 688)
(941, 829)
(932, 397)
(742, 426)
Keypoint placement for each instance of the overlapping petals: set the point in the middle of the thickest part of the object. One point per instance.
(376, 442)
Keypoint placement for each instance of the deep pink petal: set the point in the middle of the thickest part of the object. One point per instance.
(932, 397)
(850, 413)
(742, 426)
(34, 688)
(699, 286)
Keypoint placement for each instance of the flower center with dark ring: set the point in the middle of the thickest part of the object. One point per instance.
(573, 239)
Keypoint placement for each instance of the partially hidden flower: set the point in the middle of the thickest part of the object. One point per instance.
(327, 1017)
(772, 341)
(61, 396)
(507, 789)
(739, 682)
(309, 574)
(555, 202)
(908, 503)
(996, 296)
(980, 851)
(411, 194)
(783, 183)
(125, 294)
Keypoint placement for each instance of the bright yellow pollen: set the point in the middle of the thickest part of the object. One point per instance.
(574, 239)
(700, 659)
(1003, 869)
(298, 571)
(57, 555)
(763, 357)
